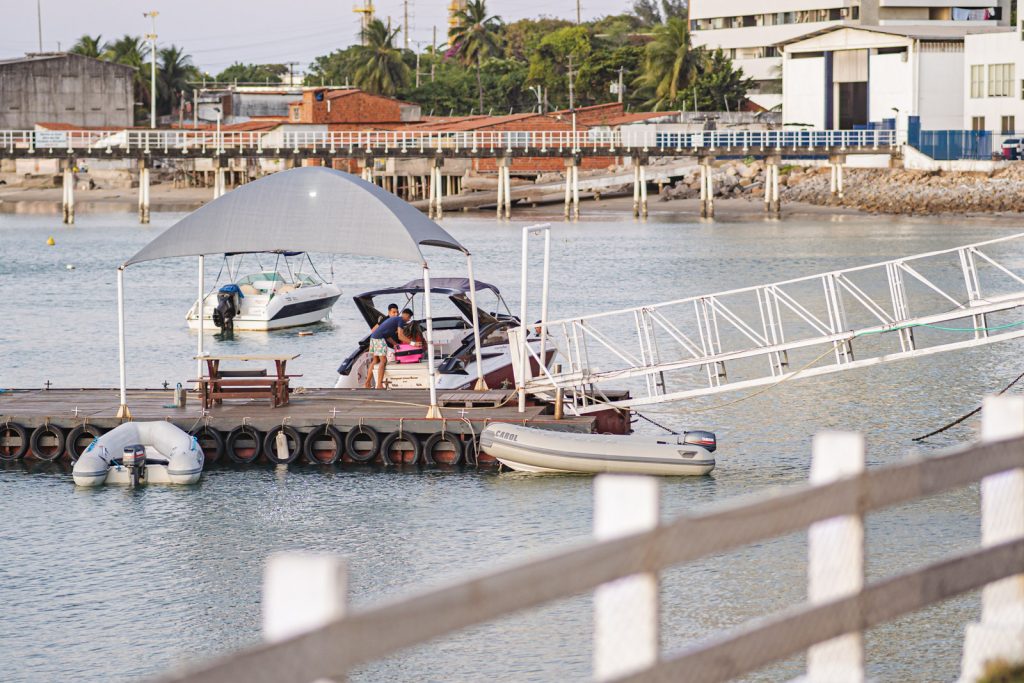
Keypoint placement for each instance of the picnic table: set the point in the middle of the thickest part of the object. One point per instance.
(219, 383)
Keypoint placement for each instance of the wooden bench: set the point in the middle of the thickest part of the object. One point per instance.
(216, 390)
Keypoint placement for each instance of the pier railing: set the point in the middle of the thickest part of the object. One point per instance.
(310, 634)
(206, 142)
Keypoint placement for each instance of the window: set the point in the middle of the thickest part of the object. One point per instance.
(1006, 125)
(977, 80)
(1000, 80)
(855, 12)
(977, 123)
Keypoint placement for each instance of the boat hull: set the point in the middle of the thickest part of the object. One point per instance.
(526, 449)
(172, 456)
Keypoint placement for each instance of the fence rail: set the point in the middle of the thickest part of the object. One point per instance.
(183, 142)
(626, 561)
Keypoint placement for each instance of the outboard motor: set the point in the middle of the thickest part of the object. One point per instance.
(704, 439)
(228, 306)
(134, 460)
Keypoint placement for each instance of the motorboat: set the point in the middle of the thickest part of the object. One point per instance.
(454, 342)
(267, 300)
(140, 453)
(528, 449)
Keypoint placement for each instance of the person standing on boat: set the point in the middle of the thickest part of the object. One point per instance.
(382, 331)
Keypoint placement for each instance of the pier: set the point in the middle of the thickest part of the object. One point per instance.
(361, 151)
(54, 424)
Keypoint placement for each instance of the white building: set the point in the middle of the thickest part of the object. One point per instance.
(993, 90)
(750, 31)
(844, 77)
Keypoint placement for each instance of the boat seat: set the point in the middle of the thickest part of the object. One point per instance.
(249, 290)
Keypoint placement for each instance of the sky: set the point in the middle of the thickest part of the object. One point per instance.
(219, 32)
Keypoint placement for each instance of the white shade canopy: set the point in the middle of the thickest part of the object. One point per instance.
(303, 209)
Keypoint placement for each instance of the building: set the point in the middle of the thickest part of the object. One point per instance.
(241, 103)
(65, 88)
(993, 87)
(351, 109)
(843, 77)
(750, 31)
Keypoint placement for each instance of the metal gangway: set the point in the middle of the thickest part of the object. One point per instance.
(763, 335)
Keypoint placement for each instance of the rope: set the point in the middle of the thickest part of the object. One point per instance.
(656, 424)
(966, 416)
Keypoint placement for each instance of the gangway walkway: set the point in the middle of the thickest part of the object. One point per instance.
(755, 336)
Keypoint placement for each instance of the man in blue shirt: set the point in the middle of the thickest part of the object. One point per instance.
(382, 332)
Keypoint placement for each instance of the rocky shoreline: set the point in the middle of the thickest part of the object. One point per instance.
(872, 190)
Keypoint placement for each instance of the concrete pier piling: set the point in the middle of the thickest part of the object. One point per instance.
(436, 190)
(836, 163)
(643, 191)
(772, 203)
(68, 203)
(707, 188)
(143, 193)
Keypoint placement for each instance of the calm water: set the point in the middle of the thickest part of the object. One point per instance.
(109, 584)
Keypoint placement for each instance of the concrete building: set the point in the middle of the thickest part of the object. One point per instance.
(65, 88)
(993, 89)
(351, 108)
(844, 77)
(750, 31)
(241, 103)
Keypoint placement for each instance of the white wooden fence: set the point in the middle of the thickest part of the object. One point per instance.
(311, 635)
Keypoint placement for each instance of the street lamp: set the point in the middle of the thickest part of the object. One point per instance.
(152, 68)
(220, 141)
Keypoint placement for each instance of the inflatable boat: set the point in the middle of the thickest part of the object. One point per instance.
(140, 453)
(527, 449)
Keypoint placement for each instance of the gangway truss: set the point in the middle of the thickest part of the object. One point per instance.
(755, 336)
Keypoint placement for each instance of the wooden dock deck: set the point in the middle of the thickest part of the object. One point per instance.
(464, 414)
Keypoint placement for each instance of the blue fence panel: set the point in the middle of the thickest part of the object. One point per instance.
(954, 144)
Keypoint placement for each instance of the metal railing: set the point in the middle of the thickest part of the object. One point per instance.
(206, 141)
(311, 634)
(813, 325)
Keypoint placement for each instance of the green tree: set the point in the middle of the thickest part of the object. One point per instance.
(336, 68)
(131, 51)
(602, 69)
(719, 86)
(253, 73)
(88, 46)
(652, 12)
(174, 71)
(670, 63)
(473, 38)
(382, 71)
(522, 38)
(550, 62)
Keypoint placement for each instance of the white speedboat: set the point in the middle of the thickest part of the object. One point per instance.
(528, 449)
(140, 452)
(267, 300)
(454, 344)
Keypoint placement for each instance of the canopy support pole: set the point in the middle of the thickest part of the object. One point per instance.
(433, 413)
(544, 298)
(481, 383)
(122, 412)
(199, 309)
(524, 352)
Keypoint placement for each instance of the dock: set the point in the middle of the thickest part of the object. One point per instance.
(52, 424)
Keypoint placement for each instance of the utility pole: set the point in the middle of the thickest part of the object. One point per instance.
(291, 76)
(433, 56)
(405, 22)
(572, 99)
(621, 88)
(578, 12)
(152, 68)
(39, 22)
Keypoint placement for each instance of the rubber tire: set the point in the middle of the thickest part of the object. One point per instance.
(20, 432)
(234, 435)
(350, 442)
(438, 437)
(389, 441)
(38, 433)
(208, 432)
(270, 444)
(318, 434)
(75, 434)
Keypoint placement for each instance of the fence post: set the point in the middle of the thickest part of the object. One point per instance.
(1000, 633)
(302, 592)
(626, 611)
(835, 566)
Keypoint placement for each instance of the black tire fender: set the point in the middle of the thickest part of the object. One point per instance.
(321, 433)
(11, 453)
(294, 438)
(393, 438)
(230, 444)
(71, 442)
(442, 437)
(365, 432)
(208, 433)
(35, 442)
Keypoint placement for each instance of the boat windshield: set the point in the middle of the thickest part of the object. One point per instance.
(261, 277)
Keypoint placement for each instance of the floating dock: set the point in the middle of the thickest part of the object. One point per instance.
(317, 426)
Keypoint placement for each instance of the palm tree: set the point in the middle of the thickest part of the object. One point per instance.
(174, 71)
(131, 51)
(671, 63)
(87, 46)
(474, 37)
(382, 70)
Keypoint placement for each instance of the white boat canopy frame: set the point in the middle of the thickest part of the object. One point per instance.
(312, 209)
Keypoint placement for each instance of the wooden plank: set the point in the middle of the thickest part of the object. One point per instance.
(764, 641)
(250, 357)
